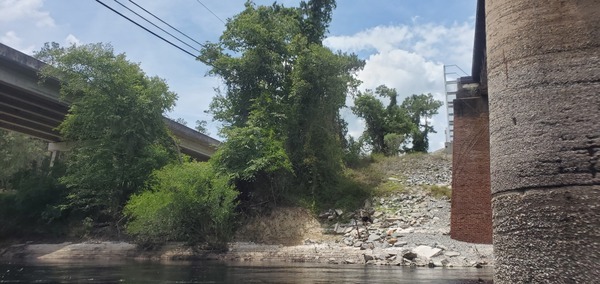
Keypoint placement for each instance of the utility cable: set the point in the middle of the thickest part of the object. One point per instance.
(156, 26)
(211, 11)
(146, 29)
(156, 17)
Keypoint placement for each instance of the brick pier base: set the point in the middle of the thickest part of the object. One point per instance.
(471, 213)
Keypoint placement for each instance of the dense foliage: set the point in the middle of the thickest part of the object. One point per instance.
(31, 197)
(420, 109)
(284, 89)
(115, 123)
(18, 152)
(280, 107)
(186, 202)
(389, 129)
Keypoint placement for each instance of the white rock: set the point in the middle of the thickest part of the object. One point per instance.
(349, 261)
(405, 231)
(374, 237)
(426, 251)
(451, 253)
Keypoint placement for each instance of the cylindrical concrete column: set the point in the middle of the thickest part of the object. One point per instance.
(544, 93)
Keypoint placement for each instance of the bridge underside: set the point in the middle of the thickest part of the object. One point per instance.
(32, 107)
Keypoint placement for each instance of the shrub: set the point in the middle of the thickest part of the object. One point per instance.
(440, 191)
(185, 202)
(389, 187)
(256, 161)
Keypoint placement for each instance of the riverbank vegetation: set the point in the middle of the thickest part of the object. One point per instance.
(285, 142)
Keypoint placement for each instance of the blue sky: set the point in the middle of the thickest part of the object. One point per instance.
(404, 42)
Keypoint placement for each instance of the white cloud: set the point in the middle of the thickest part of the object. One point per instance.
(380, 38)
(11, 39)
(72, 40)
(14, 10)
(410, 59)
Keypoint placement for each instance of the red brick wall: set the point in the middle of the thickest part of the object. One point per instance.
(471, 213)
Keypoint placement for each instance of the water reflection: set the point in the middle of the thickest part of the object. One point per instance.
(215, 272)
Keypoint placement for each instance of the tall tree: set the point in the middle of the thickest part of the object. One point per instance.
(316, 19)
(369, 108)
(421, 108)
(388, 128)
(115, 121)
(381, 122)
(280, 78)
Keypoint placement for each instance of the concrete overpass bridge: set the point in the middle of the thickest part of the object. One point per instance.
(34, 108)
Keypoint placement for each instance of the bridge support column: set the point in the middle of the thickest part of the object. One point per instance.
(544, 94)
(55, 148)
(471, 214)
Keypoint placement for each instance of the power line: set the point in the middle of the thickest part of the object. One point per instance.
(146, 29)
(156, 17)
(211, 11)
(157, 26)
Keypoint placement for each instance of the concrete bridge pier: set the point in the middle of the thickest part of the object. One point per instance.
(544, 95)
(55, 148)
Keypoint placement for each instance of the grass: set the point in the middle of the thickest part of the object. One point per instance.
(388, 188)
(439, 191)
(372, 179)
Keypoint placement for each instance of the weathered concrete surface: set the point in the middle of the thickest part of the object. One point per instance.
(544, 93)
(548, 236)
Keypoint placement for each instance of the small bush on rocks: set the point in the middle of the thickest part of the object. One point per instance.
(186, 202)
(438, 191)
(389, 187)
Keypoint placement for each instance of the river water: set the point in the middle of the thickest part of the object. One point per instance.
(237, 272)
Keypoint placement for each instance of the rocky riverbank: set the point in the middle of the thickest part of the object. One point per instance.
(407, 224)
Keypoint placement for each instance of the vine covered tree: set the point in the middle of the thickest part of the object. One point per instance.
(388, 129)
(421, 108)
(115, 123)
(282, 83)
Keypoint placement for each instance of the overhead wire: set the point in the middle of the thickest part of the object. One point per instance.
(146, 29)
(210, 11)
(156, 17)
(155, 25)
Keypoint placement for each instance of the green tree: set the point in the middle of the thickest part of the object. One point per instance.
(317, 16)
(369, 108)
(115, 121)
(201, 126)
(281, 81)
(420, 109)
(181, 121)
(321, 81)
(18, 152)
(256, 162)
(386, 127)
